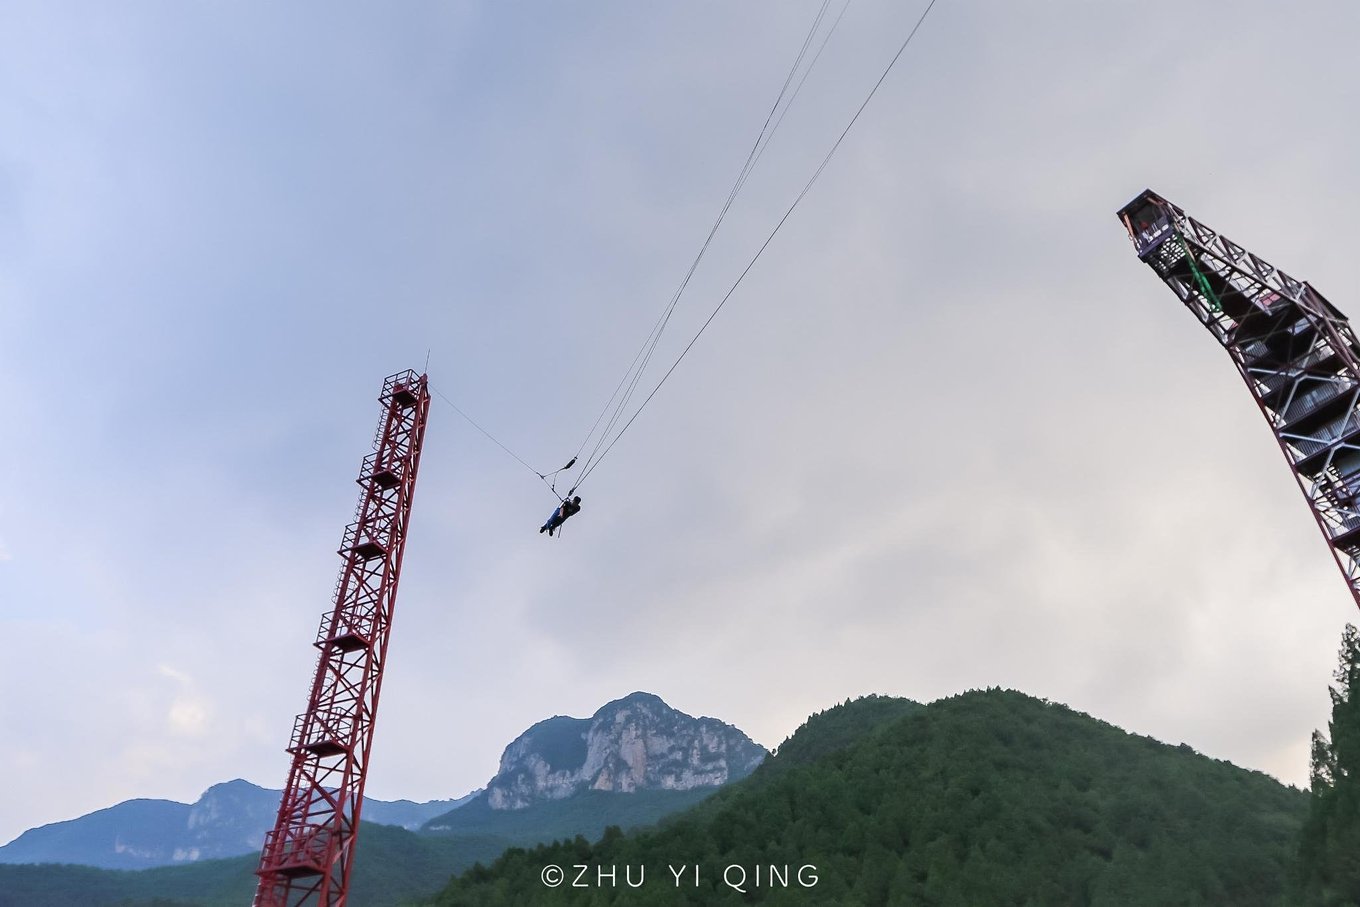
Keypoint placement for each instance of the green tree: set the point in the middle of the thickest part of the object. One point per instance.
(1329, 845)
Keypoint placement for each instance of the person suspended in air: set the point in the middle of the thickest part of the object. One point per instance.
(569, 507)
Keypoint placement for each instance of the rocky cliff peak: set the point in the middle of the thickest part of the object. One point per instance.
(631, 744)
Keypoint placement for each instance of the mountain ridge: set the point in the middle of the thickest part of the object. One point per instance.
(987, 797)
(228, 819)
(636, 742)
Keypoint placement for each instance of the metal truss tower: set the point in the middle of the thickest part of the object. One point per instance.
(308, 857)
(1295, 350)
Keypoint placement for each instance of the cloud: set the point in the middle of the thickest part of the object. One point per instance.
(188, 711)
(948, 432)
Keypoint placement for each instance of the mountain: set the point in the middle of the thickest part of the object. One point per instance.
(841, 727)
(394, 866)
(637, 743)
(635, 761)
(227, 820)
(990, 797)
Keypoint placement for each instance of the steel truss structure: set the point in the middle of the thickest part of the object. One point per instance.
(1294, 349)
(308, 857)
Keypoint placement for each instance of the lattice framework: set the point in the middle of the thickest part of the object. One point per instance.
(1294, 349)
(309, 855)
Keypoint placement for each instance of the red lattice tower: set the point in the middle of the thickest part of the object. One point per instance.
(1295, 350)
(308, 857)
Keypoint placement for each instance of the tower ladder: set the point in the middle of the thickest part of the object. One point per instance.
(309, 855)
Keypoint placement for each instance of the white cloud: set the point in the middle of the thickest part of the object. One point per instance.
(189, 711)
(948, 433)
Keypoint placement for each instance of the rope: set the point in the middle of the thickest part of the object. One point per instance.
(551, 486)
(591, 466)
(807, 72)
(633, 376)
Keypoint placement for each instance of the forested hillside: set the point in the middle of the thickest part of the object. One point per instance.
(393, 864)
(989, 797)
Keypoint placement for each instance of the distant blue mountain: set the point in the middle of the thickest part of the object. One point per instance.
(228, 820)
(631, 763)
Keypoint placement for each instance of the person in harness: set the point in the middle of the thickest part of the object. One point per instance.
(569, 507)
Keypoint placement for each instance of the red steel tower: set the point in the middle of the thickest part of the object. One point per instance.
(308, 857)
(1294, 349)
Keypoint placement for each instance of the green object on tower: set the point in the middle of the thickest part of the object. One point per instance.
(1209, 295)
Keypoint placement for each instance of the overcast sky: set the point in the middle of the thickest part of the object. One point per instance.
(949, 433)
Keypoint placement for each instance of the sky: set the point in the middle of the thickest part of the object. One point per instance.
(948, 433)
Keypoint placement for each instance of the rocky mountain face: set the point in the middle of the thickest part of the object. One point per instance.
(227, 820)
(637, 743)
(634, 745)
(990, 797)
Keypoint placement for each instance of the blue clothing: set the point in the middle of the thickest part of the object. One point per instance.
(559, 516)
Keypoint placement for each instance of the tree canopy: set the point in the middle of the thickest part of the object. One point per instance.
(990, 797)
(1329, 844)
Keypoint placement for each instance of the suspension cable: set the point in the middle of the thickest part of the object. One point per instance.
(636, 369)
(806, 188)
(552, 487)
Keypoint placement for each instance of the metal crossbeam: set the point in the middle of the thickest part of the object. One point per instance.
(1294, 349)
(309, 855)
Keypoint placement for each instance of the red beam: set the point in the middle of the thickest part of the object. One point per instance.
(309, 855)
